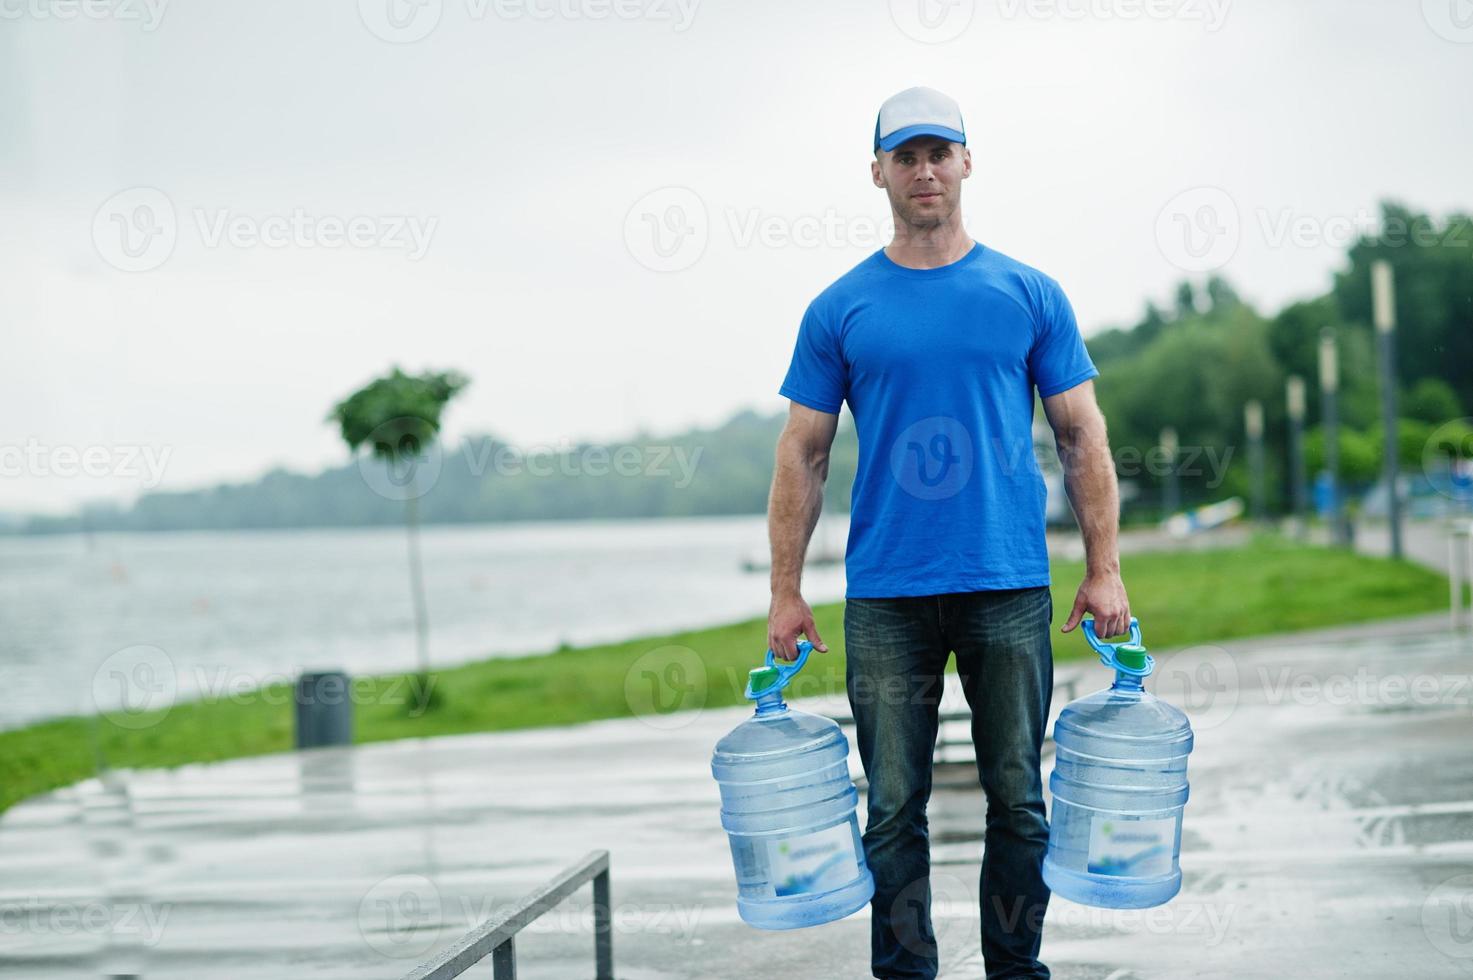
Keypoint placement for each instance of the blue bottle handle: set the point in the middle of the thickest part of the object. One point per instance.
(1107, 651)
(785, 670)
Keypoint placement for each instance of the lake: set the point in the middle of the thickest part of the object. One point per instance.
(223, 609)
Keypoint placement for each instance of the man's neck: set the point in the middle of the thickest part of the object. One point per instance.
(929, 248)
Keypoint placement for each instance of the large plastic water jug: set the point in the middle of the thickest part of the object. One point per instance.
(1120, 787)
(788, 807)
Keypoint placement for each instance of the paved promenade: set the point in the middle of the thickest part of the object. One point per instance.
(1329, 834)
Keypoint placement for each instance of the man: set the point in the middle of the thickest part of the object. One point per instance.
(937, 343)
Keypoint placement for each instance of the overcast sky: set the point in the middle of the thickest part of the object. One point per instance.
(218, 218)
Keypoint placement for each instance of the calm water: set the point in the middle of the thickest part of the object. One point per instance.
(229, 608)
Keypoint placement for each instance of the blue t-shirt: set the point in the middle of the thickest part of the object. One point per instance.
(938, 367)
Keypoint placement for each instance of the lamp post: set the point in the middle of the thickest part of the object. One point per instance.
(1383, 310)
(1294, 395)
(1329, 388)
(1253, 426)
(1171, 503)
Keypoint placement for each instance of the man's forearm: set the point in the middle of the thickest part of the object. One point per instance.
(792, 511)
(1089, 478)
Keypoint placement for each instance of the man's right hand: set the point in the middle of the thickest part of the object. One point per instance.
(787, 618)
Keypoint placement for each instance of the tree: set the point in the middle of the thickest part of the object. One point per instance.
(1432, 400)
(398, 417)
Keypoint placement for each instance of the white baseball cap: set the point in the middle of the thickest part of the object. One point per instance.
(918, 111)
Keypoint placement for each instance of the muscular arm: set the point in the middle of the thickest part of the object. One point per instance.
(1089, 479)
(793, 507)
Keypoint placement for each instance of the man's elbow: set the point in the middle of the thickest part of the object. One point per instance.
(1084, 436)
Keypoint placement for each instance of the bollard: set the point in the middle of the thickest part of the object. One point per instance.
(324, 709)
(1459, 569)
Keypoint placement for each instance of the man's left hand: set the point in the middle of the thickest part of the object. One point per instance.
(1103, 594)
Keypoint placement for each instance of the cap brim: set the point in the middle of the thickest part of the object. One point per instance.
(911, 132)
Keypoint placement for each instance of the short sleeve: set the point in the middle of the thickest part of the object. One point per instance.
(817, 376)
(1058, 360)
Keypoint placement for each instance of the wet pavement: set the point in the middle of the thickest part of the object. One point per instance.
(1329, 834)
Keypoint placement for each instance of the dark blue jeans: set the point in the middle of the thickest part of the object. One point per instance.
(896, 652)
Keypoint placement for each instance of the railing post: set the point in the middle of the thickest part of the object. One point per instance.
(603, 927)
(504, 960)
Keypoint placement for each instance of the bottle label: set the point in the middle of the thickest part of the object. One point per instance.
(1131, 848)
(812, 862)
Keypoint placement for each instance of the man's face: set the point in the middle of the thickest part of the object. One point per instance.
(923, 178)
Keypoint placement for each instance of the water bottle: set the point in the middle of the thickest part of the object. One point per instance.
(1119, 786)
(788, 807)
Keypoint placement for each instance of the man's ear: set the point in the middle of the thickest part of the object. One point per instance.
(966, 163)
(876, 174)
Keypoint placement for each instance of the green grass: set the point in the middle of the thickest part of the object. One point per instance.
(1268, 586)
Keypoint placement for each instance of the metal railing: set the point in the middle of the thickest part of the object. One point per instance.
(496, 937)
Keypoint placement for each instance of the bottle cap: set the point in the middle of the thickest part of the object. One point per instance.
(759, 679)
(1131, 655)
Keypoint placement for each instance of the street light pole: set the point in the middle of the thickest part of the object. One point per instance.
(1383, 309)
(1253, 426)
(1294, 395)
(1172, 500)
(1329, 386)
